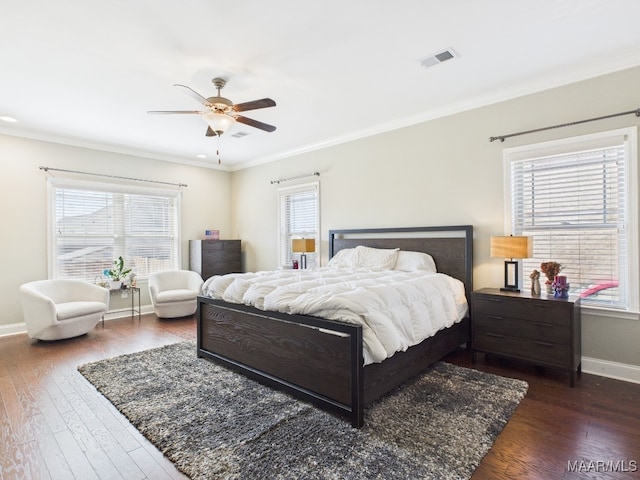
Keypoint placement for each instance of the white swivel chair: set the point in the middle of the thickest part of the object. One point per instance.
(173, 292)
(56, 309)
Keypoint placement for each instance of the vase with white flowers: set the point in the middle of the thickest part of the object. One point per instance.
(117, 274)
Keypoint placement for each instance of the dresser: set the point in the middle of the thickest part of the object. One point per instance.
(214, 257)
(542, 330)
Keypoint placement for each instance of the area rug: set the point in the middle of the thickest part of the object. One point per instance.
(213, 423)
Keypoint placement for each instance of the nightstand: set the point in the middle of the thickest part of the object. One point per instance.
(542, 330)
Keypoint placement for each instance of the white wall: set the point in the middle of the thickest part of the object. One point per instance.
(442, 172)
(23, 209)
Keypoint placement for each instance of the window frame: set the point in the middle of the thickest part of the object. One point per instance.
(579, 143)
(54, 183)
(286, 191)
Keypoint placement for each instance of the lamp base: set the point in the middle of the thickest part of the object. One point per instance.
(510, 277)
(510, 289)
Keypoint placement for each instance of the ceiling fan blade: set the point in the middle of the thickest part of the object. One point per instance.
(255, 123)
(254, 105)
(193, 94)
(188, 112)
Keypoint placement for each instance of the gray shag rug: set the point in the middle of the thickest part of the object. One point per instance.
(213, 423)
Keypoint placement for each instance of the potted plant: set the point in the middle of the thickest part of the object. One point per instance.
(117, 274)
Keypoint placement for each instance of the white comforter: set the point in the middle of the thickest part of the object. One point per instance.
(396, 309)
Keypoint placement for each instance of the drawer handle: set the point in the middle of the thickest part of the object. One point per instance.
(492, 300)
(540, 324)
(495, 335)
(494, 317)
(542, 305)
(544, 344)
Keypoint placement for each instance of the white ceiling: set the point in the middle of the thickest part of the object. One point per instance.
(85, 73)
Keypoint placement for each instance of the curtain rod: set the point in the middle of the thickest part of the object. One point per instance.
(502, 137)
(314, 174)
(46, 169)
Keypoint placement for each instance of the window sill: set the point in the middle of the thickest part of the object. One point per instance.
(610, 313)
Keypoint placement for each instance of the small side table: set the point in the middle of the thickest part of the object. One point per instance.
(132, 291)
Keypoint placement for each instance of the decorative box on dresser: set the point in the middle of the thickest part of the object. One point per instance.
(542, 330)
(214, 257)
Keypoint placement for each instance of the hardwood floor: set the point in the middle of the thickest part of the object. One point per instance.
(555, 426)
(53, 424)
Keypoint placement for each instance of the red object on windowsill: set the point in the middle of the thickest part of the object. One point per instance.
(593, 290)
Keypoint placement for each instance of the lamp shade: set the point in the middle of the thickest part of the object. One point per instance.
(303, 245)
(511, 247)
(219, 122)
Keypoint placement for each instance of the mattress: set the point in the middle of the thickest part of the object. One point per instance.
(396, 309)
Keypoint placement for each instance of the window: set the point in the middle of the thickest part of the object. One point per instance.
(578, 201)
(299, 218)
(93, 224)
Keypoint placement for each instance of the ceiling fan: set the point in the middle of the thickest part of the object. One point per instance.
(220, 112)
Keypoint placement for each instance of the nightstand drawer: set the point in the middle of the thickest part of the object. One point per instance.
(535, 310)
(546, 353)
(535, 330)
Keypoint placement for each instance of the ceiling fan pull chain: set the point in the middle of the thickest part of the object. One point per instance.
(218, 150)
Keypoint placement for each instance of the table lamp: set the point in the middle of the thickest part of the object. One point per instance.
(303, 246)
(509, 248)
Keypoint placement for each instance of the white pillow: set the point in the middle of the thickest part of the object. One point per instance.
(375, 258)
(343, 259)
(413, 261)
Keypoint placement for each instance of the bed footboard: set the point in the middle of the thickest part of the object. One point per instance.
(314, 359)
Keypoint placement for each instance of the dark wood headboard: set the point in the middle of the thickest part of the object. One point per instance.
(450, 246)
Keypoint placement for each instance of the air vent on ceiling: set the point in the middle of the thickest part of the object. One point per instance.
(437, 58)
(240, 134)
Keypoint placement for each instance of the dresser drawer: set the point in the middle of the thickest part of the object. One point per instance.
(536, 310)
(212, 246)
(222, 257)
(547, 353)
(553, 332)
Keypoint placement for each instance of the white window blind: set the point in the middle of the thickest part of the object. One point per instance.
(299, 218)
(575, 205)
(91, 225)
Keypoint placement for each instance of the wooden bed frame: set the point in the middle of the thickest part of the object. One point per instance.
(321, 360)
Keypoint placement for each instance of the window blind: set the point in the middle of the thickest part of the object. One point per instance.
(92, 225)
(574, 205)
(299, 218)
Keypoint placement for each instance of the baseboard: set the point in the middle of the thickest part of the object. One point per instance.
(12, 329)
(605, 368)
(20, 328)
(126, 312)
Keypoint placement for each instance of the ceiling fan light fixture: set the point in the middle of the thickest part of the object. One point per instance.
(219, 122)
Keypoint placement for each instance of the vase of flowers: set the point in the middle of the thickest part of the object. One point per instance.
(550, 270)
(117, 274)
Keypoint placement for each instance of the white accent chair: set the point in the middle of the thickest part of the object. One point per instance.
(56, 309)
(173, 292)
